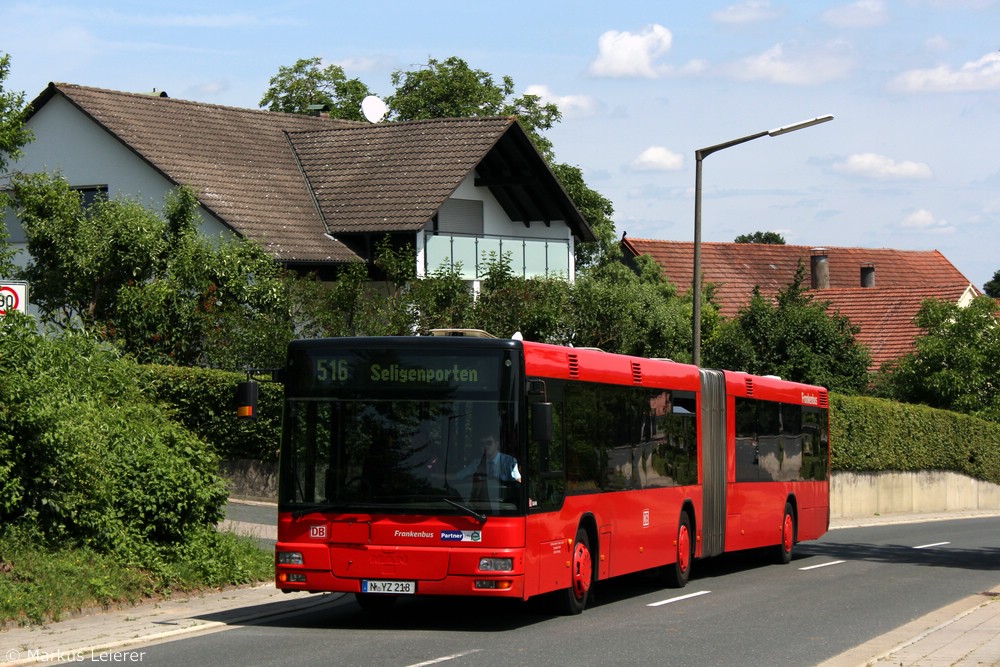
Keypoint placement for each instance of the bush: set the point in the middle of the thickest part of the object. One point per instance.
(874, 435)
(89, 459)
(203, 401)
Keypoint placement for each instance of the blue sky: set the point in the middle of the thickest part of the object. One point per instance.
(911, 160)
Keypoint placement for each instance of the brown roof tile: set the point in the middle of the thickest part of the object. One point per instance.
(237, 160)
(394, 176)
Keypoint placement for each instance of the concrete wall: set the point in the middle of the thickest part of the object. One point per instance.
(852, 495)
(857, 495)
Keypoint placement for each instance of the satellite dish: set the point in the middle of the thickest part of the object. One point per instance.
(373, 108)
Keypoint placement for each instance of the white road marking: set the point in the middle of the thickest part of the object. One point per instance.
(678, 599)
(445, 658)
(928, 546)
(813, 567)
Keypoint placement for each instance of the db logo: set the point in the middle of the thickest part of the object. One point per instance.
(318, 532)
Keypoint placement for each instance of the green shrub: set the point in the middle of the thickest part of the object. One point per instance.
(203, 400)
(87, 457)
(874, 435)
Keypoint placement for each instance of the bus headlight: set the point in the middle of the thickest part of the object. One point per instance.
(496, 564)
(290, 558)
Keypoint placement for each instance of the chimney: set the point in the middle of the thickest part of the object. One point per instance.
(868, 275)
(820, 269)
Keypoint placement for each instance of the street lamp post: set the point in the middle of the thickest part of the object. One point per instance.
(700, 155)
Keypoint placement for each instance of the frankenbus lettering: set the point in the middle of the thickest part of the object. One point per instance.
(401, 375)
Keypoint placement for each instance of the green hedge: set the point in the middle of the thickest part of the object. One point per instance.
(204, 401)
(874, 435)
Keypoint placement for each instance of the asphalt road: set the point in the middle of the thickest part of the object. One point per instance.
(843, 590)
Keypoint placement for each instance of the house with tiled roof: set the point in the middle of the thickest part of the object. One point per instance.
(317, 192)
(879, 290)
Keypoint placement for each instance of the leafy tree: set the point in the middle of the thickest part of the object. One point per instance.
(954, 366)
(81, 258)
(152, 284)
(294, 89)
(13, 136)
(452, 89)
(992, 288)
(640, 313)
(507, 302)
(793, 337)
(767, 238)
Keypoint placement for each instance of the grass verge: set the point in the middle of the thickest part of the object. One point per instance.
(39, 582)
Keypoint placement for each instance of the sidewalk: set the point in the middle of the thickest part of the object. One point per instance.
(964, 633)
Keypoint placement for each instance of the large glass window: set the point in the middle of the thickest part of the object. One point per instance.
(780, 442)
(622, 437)
(390, 431)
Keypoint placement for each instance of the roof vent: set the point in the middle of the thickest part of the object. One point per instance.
(468, 333)
(574, 365)
(636, 372)
(820, 269)
(868, 275)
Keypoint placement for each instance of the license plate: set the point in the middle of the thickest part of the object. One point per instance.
(391, 587)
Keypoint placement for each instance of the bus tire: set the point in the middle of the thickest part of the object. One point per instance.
(783, 552)
(677, 574)
(573, 600)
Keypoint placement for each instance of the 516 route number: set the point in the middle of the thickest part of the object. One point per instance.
(332, 370)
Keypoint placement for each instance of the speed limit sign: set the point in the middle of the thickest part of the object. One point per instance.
(13, 296)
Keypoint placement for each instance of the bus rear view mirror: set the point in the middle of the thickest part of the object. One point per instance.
(246, 399)
(541, 422)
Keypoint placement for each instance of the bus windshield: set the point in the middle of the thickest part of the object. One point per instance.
(387, 430)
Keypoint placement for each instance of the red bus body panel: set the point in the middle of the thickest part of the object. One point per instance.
(635, 529)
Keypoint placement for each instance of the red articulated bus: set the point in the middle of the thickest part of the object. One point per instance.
(476, 466)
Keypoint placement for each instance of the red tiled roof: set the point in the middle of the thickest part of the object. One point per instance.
(735, 268)
(884, 313)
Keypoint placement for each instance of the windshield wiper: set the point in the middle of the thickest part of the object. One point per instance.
(481, 518)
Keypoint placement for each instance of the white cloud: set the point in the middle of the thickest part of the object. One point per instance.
(751, 11)
(364, 64)
(937, 44)
(977, 75)
(924, 220)
(872, 165)
(211, 88)
(658, 158)
(569, 105)
(776, 66)
(860, 14)
(632, 54)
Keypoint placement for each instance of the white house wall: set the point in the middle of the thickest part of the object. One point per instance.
(68, 142)
(496, 222)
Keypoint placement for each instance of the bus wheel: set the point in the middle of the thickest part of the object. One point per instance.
(375, 603)
(783, 552)
(573, 600)
(676, 574)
